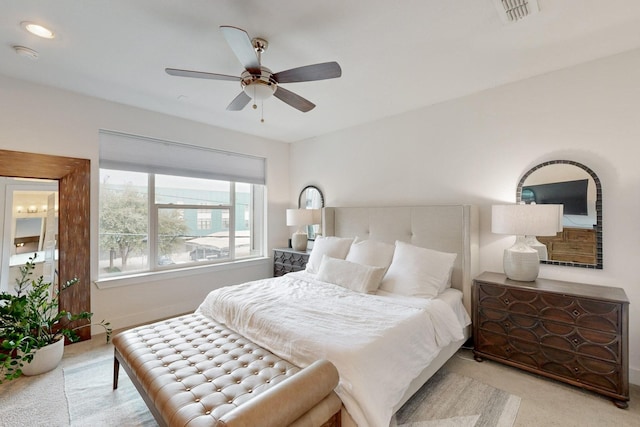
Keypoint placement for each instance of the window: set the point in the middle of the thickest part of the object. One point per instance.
(151, 220)
(204, 219)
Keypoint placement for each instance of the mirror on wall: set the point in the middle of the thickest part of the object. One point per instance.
(578, 189)
(73, 176)
(311, 198)
(30, 227)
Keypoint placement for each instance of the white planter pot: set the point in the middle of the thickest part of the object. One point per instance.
(45, 359)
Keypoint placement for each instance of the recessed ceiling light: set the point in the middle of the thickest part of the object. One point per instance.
(27, 52)
(38, 30)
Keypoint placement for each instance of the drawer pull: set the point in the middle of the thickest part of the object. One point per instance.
(576, 341)
(507, 325)
(576, 313)
(576, 369)
(506, 301)
(507, 350)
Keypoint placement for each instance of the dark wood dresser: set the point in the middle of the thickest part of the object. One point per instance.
(286, 260)
(571, 332)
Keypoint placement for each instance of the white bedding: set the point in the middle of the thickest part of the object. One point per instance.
(378, 343)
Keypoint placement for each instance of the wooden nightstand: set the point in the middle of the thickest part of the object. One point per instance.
(571, 332)
(286, 260)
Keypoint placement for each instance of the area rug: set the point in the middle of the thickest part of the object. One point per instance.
(452, 400)
(93, 402)
(446, 400)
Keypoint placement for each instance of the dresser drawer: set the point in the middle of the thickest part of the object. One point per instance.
(282, 269)
(584, 312)
(580, 235)
(599, 375)
(561, 336)
(293, 259)
(574, 247)
(287, 260)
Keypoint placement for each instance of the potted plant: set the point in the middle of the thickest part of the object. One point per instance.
(33, 328)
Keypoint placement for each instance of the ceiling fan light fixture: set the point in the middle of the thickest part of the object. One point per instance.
(38, 30)
(259, 90)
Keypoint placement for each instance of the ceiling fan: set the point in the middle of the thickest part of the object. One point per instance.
(257, 81)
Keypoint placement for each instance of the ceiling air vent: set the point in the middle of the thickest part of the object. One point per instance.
(515, 10)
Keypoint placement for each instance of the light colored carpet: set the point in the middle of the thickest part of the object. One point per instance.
(41, 401)
(447, 400)
(93, 402)
(452, 400)
(34, 401)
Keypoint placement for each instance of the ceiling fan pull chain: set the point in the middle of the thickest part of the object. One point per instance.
(262, 111)
(254, 98)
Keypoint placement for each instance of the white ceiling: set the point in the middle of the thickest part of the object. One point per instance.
(395, 56)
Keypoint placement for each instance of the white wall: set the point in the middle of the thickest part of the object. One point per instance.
(475, 149)
(41, 119)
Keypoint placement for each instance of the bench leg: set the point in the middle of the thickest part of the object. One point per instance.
(116, 371)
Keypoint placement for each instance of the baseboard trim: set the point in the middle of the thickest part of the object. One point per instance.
(634, 376)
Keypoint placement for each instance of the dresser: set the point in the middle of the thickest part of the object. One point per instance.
(571, 332)
(286, 260)
(572, 245)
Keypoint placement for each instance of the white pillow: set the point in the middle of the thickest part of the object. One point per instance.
(334, 247)
(357, 277)
(419, 272)
(371, 252)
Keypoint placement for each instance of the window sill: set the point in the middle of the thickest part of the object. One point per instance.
(146, 277)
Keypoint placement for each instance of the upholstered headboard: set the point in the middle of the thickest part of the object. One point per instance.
(447, 228)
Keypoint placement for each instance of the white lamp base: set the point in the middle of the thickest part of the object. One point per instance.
(521, 262)
(534, 243)
(299, 241)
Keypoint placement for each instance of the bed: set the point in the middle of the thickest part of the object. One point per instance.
(448, 228)
(395, 341)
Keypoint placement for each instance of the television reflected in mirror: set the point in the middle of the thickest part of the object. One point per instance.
(571, 194)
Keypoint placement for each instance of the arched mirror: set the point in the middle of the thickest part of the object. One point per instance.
(311, 198)
(578, 189)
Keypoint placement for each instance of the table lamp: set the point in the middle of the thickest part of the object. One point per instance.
(299, 218)
(522, 262)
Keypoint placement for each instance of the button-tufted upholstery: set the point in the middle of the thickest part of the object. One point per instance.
(192, 371)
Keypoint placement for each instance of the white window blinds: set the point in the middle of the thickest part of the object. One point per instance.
(142, 154)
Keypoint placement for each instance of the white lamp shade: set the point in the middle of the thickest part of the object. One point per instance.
(529, 220)
(299, 217)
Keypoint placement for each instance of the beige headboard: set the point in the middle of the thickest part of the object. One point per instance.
(447, 228)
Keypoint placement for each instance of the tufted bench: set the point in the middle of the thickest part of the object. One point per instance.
(192, 371)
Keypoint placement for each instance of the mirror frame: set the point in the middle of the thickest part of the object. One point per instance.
(312, 230)
(74, 230)
(599, 264)
(310, 187)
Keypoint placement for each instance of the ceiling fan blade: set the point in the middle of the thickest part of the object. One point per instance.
(239, 102)
(326, 70)
(200, 74)
(296, 101)
(240, 43)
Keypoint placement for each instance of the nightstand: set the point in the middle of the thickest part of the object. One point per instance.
(572, 332)
(286, 260)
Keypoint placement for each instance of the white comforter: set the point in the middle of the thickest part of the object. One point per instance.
(378, 344)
